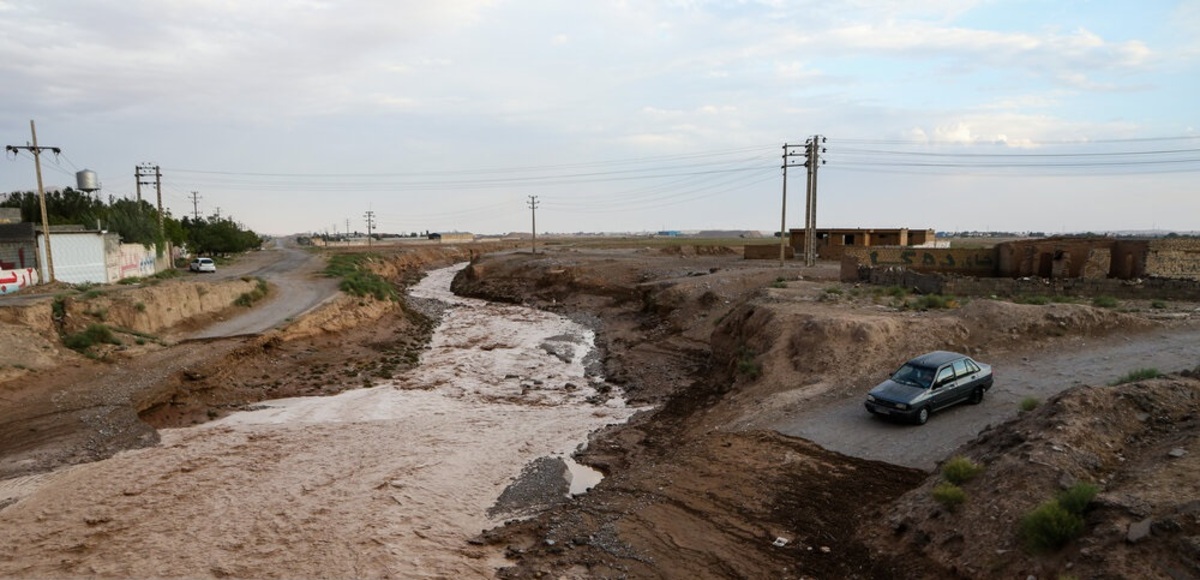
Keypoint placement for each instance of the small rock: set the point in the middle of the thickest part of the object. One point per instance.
(1138, 531)
(1177, 452)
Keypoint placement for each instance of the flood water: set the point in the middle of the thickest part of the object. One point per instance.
(388, 481)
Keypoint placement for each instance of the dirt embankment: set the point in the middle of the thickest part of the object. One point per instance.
(721, 347)
(1138, 444)
(59, 407)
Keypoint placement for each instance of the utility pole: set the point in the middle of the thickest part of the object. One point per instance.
(812, 155)
(196, 205)
(783, 237)
(37, 163)
(161, 242)
(142, 174)
(370, 215)
(347, 230)
(218, 212)
(533, 205)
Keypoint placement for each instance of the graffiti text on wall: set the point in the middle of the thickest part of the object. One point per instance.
(13, 280)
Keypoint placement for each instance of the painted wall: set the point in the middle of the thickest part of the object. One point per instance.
(78, 257)
(130, 261)
(18, 255)
(12, 280)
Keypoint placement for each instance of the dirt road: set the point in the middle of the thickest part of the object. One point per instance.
(297, 287)
(844, 425)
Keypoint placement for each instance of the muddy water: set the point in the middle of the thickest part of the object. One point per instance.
(387, 481)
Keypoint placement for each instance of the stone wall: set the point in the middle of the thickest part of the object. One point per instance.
(1173, 258)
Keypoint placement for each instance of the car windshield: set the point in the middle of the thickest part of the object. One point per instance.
(914, 375)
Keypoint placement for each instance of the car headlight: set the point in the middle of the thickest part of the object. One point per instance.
(901, 406)
(871, 398)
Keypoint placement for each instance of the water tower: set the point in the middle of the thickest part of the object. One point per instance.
(87, 181)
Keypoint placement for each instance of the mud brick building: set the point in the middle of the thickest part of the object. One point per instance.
(833, 243)
(1046, 258)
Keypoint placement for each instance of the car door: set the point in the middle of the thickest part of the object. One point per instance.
(943, 387)
(964, 382)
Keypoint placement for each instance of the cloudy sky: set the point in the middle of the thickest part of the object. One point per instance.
(298, 115)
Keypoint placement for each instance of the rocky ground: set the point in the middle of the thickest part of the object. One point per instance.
(719, 348)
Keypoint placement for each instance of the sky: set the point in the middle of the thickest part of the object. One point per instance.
(616, 116)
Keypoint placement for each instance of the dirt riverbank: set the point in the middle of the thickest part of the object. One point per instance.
(721, 352)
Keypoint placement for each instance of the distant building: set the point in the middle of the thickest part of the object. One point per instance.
(452, 237)
(832, 242)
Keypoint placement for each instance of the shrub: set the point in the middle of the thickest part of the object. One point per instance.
(1076, 498)
(140, 306)
(931, 302)
(1035, 300)
(779, 283)
(949, 495)
(959, 470)
(130, 281)
(1029, 403)
(1049, 527)
(1104, 302)
(1137, 375)
(833, 290)
(1158, 304)
(358, 279)
(94, 334)
(259, 292)
(746, 365)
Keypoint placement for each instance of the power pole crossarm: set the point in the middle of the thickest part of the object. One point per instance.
(48, 273)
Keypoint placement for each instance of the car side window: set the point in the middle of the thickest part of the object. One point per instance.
(960, 368)
(972, 368)
(943, 375)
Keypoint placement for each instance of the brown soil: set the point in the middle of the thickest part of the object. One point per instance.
(720, 347)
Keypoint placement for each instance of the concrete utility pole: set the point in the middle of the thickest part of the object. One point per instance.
(783, 235)
(142, 174)
(370, 215)
(533, 205)
(48, 274)
(812, 155)
(196, 205)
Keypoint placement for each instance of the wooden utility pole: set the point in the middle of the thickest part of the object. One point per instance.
(48, 274)
(533, 205)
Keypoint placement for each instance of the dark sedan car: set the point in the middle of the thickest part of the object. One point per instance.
(928, 383)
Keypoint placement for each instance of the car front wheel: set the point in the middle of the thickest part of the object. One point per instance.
(923, 416)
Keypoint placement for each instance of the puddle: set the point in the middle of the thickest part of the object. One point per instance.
(580, 477)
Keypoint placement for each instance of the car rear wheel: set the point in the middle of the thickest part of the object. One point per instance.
(977, 396)
(923, 416)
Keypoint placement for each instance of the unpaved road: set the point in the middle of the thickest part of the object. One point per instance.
(846, 427)
(296, 282)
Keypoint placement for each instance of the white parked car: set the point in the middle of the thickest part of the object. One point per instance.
(203, 265)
